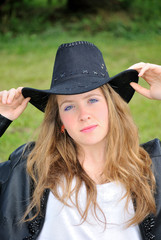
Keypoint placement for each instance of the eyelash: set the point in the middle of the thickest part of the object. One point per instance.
(68, 108)
(91, 101)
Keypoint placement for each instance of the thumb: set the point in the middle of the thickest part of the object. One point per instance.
(143, 91)
(23, 105)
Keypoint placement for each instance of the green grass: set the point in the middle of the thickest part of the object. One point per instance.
(28, 61)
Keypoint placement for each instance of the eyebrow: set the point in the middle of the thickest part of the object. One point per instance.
(87, 96)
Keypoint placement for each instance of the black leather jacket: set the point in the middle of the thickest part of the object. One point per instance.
(16, 189)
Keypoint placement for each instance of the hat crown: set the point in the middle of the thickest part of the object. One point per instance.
(79, 58)
(79, 67)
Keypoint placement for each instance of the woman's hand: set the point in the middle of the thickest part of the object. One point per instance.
(12, 103)
(152, 75)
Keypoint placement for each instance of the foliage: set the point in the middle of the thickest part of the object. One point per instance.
(27, 60)
(31, 30)
(120, 17)
(147, 10)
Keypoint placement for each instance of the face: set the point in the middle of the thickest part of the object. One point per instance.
(85, 116)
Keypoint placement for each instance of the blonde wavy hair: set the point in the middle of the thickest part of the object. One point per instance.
(55, 157)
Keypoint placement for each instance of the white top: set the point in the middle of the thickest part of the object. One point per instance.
(63, 222)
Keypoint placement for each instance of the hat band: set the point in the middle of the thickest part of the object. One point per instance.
(84, 72)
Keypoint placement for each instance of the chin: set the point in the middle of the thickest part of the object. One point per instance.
(92, 142)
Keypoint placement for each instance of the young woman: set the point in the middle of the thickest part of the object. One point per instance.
(86, 176)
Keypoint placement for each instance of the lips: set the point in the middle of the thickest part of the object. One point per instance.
(89, 128)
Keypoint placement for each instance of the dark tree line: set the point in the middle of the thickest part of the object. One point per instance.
(14, 13)
(10, 6)
(81, 5)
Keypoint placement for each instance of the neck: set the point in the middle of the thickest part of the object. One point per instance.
(92, 159)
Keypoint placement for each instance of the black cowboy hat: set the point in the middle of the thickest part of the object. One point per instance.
(79, 67)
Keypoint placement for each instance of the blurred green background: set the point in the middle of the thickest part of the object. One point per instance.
(30, 32)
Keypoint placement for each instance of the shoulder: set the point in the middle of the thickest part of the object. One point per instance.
(21, 153)
(17, 158)
(153, 147)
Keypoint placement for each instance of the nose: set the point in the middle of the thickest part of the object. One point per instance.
(84, 114)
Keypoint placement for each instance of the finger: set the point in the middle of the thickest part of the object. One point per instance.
(20, 99)
(19, 92)
(143, 91)
(25, 101)
(137, 66)
(4, 96)
(144, 69)
(11, 95)
(23, 105)
(18, 96)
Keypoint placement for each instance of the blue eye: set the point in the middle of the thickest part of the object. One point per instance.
(68, 108)
(93, 100)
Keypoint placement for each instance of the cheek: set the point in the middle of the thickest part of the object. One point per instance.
(67, 120)
(103, 113)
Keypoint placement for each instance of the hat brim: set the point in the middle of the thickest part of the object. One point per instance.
(120, 83)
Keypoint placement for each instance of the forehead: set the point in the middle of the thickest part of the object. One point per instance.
(75, 97)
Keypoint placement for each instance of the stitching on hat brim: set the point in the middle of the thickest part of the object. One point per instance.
(43, 95)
